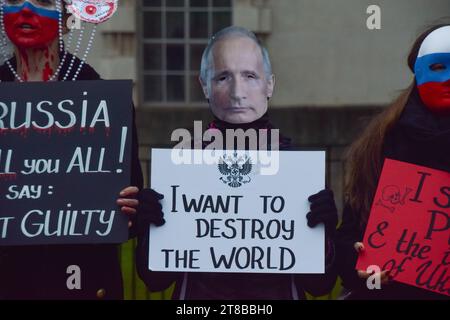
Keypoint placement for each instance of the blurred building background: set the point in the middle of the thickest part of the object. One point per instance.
(332, 72)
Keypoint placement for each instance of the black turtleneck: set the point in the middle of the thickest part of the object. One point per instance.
(420, 137)
(262, 123)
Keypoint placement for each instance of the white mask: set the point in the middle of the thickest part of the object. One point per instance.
(432, 70)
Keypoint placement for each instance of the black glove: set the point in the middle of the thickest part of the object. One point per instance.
(149, 210)
(323, 210)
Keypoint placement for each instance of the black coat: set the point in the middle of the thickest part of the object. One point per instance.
(239, 286)
(421, 138)
(39, 272)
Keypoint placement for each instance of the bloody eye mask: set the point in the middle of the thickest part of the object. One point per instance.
(93, 11)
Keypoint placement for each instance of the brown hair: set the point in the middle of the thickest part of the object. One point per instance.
(364, 158)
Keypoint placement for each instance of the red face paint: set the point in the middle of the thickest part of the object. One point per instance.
(47, 72)
(26, 29)
(25, 63)
(436, 96)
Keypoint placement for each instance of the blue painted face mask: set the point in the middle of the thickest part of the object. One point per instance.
(433, 68)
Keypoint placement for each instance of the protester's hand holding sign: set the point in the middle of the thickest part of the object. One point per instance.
(149, 210)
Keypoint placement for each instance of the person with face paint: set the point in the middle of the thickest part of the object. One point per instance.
(237, 81)
(414, 129)
(32, 27)
(35, 29)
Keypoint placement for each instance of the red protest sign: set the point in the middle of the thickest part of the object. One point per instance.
(409, 226)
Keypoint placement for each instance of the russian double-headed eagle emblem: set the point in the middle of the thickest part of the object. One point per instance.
(235, 170)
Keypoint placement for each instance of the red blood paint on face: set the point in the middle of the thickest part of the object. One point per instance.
(436, 96)
(28, 30)
(23, 56)
(47, 72)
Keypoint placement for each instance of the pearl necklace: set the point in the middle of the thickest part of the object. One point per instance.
(77, 49)
(61, 46)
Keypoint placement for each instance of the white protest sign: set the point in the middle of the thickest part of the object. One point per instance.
(229, 217)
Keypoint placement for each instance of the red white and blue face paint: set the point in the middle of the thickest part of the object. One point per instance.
(432, 70)
(31, 24)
